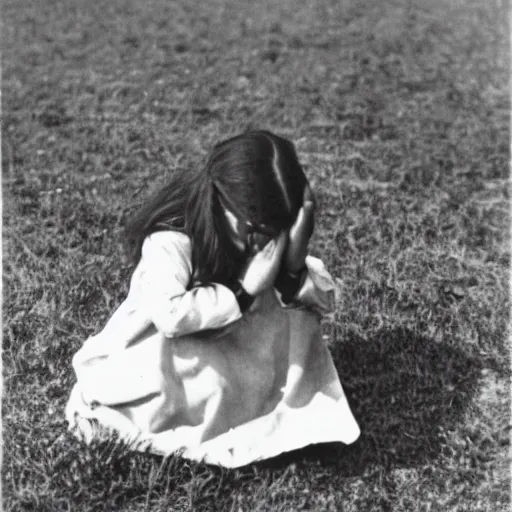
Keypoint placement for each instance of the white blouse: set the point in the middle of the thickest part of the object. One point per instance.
(180, 368)
(162, 279)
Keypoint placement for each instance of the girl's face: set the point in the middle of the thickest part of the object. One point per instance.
(246, 237)
(238, 236)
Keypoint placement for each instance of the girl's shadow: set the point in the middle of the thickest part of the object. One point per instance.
(403, 389)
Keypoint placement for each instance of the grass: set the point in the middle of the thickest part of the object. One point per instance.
(400, 113)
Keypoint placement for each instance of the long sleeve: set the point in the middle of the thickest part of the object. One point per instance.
(166, 271)
(318, 290)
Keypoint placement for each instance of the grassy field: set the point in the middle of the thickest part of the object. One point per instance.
(400, 113)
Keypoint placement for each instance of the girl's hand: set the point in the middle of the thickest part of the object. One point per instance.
(300, 233)
(262, 269)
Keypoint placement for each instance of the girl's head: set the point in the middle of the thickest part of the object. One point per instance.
(251, 183)
(257, 176)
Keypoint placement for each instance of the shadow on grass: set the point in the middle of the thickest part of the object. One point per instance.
(403, 388)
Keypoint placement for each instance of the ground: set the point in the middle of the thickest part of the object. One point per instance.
(399, 110)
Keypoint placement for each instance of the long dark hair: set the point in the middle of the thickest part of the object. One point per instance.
(256, 174)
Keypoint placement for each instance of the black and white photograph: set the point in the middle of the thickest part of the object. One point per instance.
(256, 255)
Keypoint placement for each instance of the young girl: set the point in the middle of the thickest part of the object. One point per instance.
(217, 349)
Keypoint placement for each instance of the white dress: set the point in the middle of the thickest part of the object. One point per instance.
(181, 369)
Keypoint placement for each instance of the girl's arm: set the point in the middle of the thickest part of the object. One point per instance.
(313, 287)
(303, 279)
(166, 271)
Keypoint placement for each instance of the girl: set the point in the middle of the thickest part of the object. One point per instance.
(217, 349)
